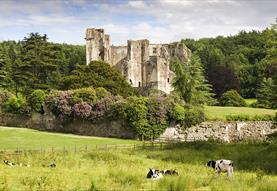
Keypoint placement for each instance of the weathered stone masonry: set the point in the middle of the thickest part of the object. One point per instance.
(143, 64)
(224, 131)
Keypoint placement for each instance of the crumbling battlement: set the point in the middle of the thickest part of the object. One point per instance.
(143, 64)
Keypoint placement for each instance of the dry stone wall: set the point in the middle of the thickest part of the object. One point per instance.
(224, 131)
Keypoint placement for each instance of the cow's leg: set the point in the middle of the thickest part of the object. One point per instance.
(230, 171)
(217, 173)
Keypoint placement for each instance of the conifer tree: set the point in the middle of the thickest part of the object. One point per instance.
(38, 59)
(189, 82)
(4, 68)
(266, 94)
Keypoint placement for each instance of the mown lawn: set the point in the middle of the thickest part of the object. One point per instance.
(21, 138)
(217, 112)
(125, 170)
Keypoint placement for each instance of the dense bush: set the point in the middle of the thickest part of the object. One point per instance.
(178, 113)
(148, 116)
(232, 98)
(157, 116)
(37, 99)
(101, 92)
(135, 113)
(4, 96)
(187, 115)
(193, 116)
(84, 95)
(16, 104)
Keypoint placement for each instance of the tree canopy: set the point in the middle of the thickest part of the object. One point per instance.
(98, 74)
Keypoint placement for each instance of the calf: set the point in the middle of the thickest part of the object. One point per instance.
(222, 166)
(154, 174)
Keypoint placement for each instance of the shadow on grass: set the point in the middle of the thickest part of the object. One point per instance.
(246, 156)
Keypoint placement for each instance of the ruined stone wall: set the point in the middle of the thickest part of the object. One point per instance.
(224, 131)
(163, 59)
(152, 72)
(97, 45)
(137, 57)
(118, 55)
(180, 51)
(142, 64)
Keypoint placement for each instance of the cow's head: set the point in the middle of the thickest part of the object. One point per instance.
(151, 173)
(211, 163)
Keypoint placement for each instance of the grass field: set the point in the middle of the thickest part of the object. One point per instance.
(217, 112)
(13, 138)
(125, 170)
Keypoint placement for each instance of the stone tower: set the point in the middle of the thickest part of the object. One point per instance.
(97, 45)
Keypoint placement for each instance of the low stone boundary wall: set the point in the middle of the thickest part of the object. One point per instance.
(49, 122)
(219, 130)
(224, 131)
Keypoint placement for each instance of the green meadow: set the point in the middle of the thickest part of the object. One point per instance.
(220, 113)
(21, 138)
(125, 169)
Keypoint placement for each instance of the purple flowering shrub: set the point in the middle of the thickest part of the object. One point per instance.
(59, 102)
(82, 110)
(103, 107)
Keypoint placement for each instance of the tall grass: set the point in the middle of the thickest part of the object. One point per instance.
(126, 169)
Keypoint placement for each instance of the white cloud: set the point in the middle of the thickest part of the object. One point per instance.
(160, 21)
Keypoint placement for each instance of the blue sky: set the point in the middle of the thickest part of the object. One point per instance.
(160, 21)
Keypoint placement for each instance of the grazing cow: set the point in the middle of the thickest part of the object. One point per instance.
(170, 172)
(154, 174)
(222, 166)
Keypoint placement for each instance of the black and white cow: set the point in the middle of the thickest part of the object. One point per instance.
(154, 174)
(170, 172)
(222, 165)
(9, 163)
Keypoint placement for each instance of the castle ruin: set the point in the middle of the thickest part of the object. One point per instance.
(143, 64)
